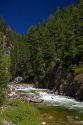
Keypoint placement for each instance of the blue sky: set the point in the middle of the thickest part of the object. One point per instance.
(21, 14)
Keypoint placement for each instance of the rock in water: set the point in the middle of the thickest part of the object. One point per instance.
(43, 123)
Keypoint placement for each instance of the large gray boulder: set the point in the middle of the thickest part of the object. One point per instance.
(18, 79)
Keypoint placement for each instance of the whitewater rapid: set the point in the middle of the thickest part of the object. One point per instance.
(61, 101)
(51, 99)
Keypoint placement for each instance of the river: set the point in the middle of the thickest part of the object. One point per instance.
(50, 99)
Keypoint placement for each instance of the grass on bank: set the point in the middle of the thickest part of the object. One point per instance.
(55, 115)
(20, 113)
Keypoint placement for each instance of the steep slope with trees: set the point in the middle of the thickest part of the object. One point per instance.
(50, 55)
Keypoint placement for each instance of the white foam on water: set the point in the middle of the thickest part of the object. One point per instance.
(52, 98)
(61, 100)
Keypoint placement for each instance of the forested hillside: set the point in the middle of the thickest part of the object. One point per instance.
(50, 55)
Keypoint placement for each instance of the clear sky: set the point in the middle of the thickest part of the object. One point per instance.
(21, 14)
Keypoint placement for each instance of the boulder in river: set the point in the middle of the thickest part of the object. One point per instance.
(36, 100)
(18, 79)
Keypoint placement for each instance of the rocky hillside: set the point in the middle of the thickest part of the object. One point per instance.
(71, 85)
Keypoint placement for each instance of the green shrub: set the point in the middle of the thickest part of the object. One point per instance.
(77, 70)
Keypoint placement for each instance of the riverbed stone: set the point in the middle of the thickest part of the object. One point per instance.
(43, 123)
